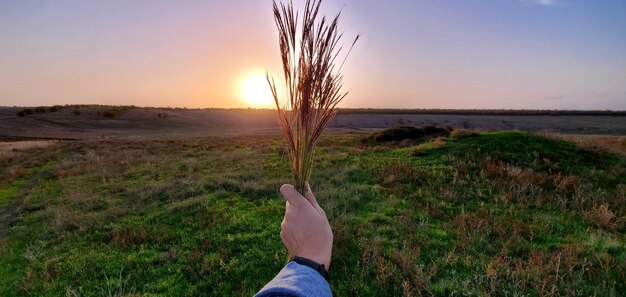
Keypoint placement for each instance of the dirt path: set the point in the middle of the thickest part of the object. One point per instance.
(10, 214)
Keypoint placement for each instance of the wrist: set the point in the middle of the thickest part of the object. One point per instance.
(319, 267)
(321, 258)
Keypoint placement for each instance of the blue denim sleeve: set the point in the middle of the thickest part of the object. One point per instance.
(296, 280)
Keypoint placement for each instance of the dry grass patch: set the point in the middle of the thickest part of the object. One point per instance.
(461, 133)
(15, 148)
(545, 272)
(610, 143)
(601, 216)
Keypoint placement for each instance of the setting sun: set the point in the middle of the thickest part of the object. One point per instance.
(256, 92)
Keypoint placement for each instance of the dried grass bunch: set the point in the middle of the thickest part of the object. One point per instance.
(312, 81)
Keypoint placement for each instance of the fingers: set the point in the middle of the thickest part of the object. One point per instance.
(291, 195)
(294, 198)
(309, 196)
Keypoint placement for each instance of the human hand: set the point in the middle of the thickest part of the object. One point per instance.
(305, 230)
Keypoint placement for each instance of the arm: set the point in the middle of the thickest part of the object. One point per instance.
(298, 281)
(306, 233)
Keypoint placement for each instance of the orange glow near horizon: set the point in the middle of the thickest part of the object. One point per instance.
(255, 91)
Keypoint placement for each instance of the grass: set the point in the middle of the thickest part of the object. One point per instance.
(504, 213)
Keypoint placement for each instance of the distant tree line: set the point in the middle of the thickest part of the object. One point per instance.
(41, 109)
(112, 111)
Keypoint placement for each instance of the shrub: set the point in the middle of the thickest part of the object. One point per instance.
(21, 113)
(27, 111)
(110, 113)
(40, 109)
(421, 149)
(54, 108)
(76, 111)
(461, 133)
(601, 217)
(413, 134)
(115, 111)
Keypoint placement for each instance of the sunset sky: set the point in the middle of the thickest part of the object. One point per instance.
(532, 54)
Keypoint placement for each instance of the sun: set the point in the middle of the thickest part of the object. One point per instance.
(256, 92)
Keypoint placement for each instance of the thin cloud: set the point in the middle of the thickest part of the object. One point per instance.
(544, 2)
(554, 98)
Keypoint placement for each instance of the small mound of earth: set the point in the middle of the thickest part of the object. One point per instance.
(407, 135)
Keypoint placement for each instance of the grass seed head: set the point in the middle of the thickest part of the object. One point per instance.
(309, 50)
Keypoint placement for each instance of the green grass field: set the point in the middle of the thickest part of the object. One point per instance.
(504, 213)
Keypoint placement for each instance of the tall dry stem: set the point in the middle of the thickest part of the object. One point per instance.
(312, 81)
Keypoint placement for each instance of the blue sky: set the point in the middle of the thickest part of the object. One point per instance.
(412, 54)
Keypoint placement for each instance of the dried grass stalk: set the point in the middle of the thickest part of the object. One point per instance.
(312, 82)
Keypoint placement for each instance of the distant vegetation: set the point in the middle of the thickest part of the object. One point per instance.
(494, 214)
(115, 111)
(54, 108)
(25, 111)
(39, 109)
(108, 112)
(408, 134)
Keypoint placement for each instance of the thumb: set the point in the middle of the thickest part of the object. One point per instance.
(291, 195)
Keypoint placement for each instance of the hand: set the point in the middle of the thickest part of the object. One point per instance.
(305, 230)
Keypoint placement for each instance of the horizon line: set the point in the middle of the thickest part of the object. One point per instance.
(338, 108)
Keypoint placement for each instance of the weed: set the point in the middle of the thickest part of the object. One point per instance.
(602, 217)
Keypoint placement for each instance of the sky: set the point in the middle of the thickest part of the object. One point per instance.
(498, 54)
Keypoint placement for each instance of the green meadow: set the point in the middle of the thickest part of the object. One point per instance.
(492, 214)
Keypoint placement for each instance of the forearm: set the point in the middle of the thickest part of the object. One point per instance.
(297, 280)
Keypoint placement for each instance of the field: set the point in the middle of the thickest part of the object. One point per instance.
(497, 213)
(144, 123)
